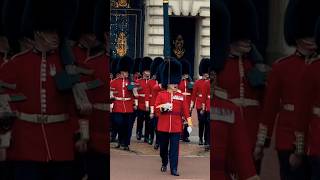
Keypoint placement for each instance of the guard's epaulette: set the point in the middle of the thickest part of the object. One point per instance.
(94, 56)
(20, 53)
(222, 114)
(315, 59)
(282, 59)
(115, 78)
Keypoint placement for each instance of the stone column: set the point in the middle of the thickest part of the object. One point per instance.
(277, 46)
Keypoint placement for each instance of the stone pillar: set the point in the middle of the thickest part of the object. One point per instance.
(277, 46)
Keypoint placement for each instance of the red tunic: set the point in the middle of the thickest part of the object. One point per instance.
(151, 83)
(171, 121)
(234, 80)
(124, 98)
(142, 88)
(99, 118)
(280, 99)
(227, 154)
(183, 87)
(307, 108)
(155, 91)
(35, 141)
(197, 92)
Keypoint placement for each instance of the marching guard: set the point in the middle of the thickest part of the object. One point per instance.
(123, 103)
(170, 107)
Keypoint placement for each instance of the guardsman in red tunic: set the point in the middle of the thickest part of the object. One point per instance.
(170, 107)
(115, 75)
(197, 94)
(43, 134)
(151, 96)
(90, 53)
(123, 103)
(185, 86)
(135, 75)
(282, 90)
(228, 127)
(143, 112)
(242, 75)
(306, 121)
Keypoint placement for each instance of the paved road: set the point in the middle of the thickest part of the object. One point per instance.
(143, 162)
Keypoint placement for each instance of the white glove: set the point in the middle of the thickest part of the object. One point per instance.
(167, 107)
(189, 129)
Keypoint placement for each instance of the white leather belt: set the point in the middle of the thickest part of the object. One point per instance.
(316, 111)
(43, 118)
(122, 99)
(142, 95)
(199, 95)
(186, 94)
(288, 107)
(102, 106)
(244, 102)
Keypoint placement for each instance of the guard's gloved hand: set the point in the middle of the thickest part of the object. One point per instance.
(166, 107)
(131, 86)
(257, 76)
(6, 120)
(190, 85)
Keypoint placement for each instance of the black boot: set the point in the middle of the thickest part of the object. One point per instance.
(175, 173)
(163, 168)
(156, 146)
(200, 142)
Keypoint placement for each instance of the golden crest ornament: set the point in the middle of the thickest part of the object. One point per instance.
(121, 4)
(122, 44)
(178, 46)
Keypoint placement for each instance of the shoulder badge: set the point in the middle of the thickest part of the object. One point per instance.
(20, 53)
(282, 59)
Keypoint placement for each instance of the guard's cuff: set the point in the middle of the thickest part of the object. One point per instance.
(84, 129)
(152, 109)
(262, 135)
(136, 102)
(299, 144)
(191, 105)
(147, 105)
(5, 140)
(189, 120)
(253, 178)
(203, 106)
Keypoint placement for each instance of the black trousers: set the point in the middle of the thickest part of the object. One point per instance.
(124, 122)
(289, 173)
(154, 132)
(95, 164)
(314, 162)
(204, 126)
(114, 128)
(6, 170)
(144, 120)
(169, 140)
(29, 170)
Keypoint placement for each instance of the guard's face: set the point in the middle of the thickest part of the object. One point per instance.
(4, 45)
(173, 87)
(51, 39)
(206, 75)
(124, 74)
(146, 74)
(89, 39)
(242, 46)
(185, 76)
(308, 44)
